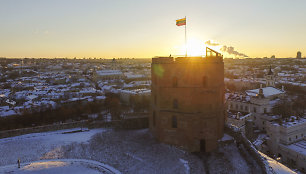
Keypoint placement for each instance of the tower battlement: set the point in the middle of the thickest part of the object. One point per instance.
(161, 60)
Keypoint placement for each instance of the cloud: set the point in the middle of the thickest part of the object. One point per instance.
(210, 43)
(226, 49)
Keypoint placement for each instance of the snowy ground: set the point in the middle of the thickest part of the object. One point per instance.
(229, 159)
(33, 147)
(62, 166)
(128, 151)
(278, 168)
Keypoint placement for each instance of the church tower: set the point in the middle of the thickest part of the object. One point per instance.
(270, 79)
(188, 101)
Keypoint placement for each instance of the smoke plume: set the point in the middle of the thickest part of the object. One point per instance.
(226, 49)
(231, 50)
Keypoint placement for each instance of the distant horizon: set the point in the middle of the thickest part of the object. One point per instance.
(98, 58)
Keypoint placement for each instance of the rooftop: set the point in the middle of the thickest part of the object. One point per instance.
(108, 72)
(238, 97)
(239, 115)
(299, 146)
(292, 121)
(267, 91)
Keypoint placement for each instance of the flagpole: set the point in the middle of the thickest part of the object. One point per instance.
(186, 36)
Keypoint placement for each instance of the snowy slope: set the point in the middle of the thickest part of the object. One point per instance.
(277, 167)
(32, 147)
(62, 166)
(129, 151)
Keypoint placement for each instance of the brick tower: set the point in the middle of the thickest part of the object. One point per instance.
(188, 101)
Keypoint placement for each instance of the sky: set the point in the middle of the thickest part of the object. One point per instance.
(146, 28)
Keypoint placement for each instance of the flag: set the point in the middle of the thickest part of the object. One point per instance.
(181, 22)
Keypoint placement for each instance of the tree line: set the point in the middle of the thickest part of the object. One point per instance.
(76, 111)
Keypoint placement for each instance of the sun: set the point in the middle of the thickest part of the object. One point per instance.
(195, 47)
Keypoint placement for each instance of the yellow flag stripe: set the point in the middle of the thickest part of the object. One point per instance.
(179, 20)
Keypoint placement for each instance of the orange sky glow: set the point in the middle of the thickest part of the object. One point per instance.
(144, 29)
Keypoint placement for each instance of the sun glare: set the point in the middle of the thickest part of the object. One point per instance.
(195, 47)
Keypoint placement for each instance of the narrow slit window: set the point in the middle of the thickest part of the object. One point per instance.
(174, 121)
(154, 118)
(174, 82)
(175, 104)
(155, 98)
(204, 81)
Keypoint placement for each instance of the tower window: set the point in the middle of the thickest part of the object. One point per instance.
(204, 81)
(265, 110)
(254, 109)
(174, 82)
(174, 121)
(175, 104)
(155, 98)
(154, 118)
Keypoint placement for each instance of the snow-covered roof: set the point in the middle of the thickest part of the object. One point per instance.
(7, 113)
(299, 146)
(12, 102)
(260, 139)
(267, 91)
(102, 97)
(133, 76)
(226, 137)
(237, 97)
(239, 115)
(3, 108)
(136, 91)
(31, 97)
(294, 122)
(108, 72)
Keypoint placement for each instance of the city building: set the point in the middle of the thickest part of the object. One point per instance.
(270, 78)
(259, 102)
(239, 120)
(286, 140)
(188, 101)
(298, 55)
(108, 74)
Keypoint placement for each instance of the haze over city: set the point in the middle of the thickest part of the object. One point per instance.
(144, 29)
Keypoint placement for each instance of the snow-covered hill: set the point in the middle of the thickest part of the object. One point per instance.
(61, 166)
(128, 151)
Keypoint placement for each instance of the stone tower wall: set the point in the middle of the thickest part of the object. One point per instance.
(192, 91)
